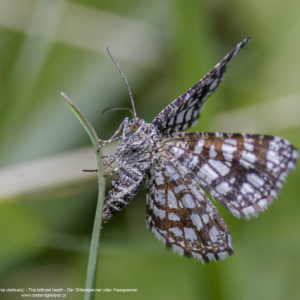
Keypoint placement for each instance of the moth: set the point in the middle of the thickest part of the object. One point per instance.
(243, 171)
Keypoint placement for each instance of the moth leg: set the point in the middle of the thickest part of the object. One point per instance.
(107, 156)
(136, 172)
(110, 161)
(113, 171)
(110, 140)
(113, 138)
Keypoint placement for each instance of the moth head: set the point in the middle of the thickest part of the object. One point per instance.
(134, 125)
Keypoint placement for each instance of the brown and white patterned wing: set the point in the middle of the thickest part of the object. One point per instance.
(180, 214)
(245, 172)
(184, 111)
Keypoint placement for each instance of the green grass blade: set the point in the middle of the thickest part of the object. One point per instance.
(84, 121)
(93, 257)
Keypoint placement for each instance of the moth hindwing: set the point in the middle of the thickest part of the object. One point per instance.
(244, 172)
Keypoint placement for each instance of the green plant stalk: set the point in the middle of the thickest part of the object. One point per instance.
(93, 256)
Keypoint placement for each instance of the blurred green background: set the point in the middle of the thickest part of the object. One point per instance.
(163, 47)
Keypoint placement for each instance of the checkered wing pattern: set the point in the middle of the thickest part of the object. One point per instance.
(180, 214)
(244, 172)
(184, 111)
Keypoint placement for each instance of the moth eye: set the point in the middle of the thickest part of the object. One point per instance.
(133, 127)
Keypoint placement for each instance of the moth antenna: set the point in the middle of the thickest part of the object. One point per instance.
(118, 108)
(130, 94)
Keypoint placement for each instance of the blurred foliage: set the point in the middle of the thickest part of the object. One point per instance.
(163, 48)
